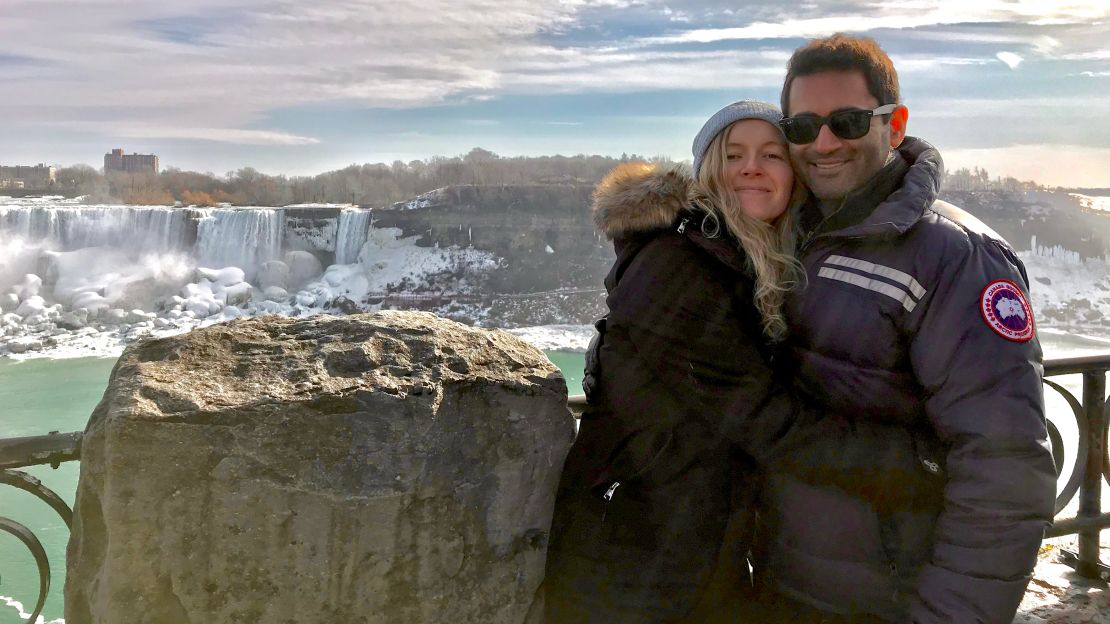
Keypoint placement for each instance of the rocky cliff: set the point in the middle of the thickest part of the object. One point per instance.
(542, 235)
(1054, 218)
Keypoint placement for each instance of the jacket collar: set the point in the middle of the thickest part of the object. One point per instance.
(636, 202)
(890, 202)
(636, 198)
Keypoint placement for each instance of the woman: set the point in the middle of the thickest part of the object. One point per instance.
(695, 307)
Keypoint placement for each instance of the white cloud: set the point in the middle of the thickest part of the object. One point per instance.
(1097, 55)
(221, 135)
(584, 70)
(229, 62)
(1042, 44)
(866, 17)
(793, 29)
(221, 70)
(1010, 59)
(1008, 107)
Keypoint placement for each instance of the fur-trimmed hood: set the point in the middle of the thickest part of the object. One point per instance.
(639, 197)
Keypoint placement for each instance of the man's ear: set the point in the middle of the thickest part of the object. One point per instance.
(898, 125)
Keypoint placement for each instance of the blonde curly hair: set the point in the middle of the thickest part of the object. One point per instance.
(769, 247)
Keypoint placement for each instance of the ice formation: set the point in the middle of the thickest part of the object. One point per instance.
(83, 279)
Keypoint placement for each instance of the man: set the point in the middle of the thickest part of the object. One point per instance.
(916, 313)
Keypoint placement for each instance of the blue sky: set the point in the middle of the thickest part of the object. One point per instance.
(1019, 87)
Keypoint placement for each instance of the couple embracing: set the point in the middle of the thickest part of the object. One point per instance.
(816, 396)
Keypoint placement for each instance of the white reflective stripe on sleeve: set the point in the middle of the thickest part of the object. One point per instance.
(855, 279)
(901, 277)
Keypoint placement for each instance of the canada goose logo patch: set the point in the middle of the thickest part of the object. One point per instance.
(1006, 311)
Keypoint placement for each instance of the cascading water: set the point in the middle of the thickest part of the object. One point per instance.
(140, 229)
(132, 257)
(29, 224)
(147, 228)
(354, 226)
(243, 238)
(73, 275)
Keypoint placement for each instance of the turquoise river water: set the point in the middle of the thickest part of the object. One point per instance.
(43, 395)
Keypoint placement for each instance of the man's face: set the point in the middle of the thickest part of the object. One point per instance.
(831, 166)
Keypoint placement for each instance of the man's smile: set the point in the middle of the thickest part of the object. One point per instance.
(829, 166)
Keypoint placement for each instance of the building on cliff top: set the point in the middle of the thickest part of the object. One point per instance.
(37, 177)
(118, 161)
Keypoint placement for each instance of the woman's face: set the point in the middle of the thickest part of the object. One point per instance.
(757, 169)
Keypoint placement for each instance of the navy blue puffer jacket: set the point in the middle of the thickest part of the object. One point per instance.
(916, 313)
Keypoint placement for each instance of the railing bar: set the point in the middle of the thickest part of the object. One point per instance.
(1090, 493)
(52, 449)
(1106, 441)
(1080, 364)
(1071, 526)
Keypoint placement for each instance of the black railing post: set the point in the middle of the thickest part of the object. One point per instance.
(1090, 493)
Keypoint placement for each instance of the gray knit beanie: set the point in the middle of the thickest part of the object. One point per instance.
(744, 109)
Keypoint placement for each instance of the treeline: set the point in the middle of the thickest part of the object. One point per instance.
(369, 184)
(977, 179)
(380, 184)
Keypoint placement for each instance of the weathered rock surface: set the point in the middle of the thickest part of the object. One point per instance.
(390, 467)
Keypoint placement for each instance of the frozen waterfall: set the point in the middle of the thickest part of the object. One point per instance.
(354, 226)
(242, 238)
(146, 228)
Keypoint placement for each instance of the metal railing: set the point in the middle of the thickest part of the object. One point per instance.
(1092, 462)
(52, 450)
(1090, 467)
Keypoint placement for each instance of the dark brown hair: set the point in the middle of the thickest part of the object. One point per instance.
(844, 53)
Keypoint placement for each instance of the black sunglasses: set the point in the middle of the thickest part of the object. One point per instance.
(846, 124)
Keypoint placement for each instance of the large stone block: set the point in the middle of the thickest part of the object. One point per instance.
(391, 467)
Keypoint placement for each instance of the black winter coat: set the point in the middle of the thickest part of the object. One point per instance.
(684, 409)
(648, 486)
(913, 315)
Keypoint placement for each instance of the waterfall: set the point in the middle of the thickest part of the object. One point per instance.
(29, 224)
(156, 229)
(243, 238)
(225, 237)
(148, 228)
(353, 228)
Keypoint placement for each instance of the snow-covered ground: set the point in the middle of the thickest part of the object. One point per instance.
(573, 338)
(1092, 203)
(1068, 292)
(1057, 595)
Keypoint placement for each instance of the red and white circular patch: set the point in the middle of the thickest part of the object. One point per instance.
(1006, 311)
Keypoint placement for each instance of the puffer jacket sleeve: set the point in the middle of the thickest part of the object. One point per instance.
(984, 398)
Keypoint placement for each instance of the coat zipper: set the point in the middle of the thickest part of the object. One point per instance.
(608, 496)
